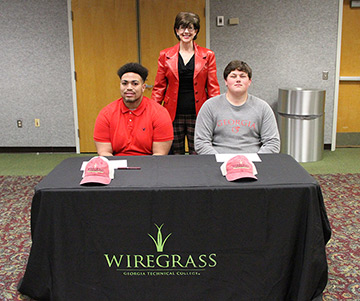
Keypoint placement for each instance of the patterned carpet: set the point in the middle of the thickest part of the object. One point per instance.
(15, 200)
(342, 199)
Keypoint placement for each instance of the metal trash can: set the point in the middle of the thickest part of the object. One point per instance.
(301, 123)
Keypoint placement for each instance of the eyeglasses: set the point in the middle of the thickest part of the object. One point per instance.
(190, 28)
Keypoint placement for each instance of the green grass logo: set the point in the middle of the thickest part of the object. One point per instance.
(159, 243)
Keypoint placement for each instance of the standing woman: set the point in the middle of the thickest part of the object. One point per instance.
(185, 79)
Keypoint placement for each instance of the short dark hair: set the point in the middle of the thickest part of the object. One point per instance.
(135, 68)
(185, 19)
(237, 65)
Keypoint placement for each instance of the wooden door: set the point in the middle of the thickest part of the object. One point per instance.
(348, 124)
(157, 19)
(105, 38)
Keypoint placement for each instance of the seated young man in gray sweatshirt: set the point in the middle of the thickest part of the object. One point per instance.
(236, 122)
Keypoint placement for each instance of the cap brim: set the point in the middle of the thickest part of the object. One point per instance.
(96, 179)
(237, 175)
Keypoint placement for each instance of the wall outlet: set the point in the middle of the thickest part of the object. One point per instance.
(37, 122)
(325, 75)
(19, 123)
(220, 21)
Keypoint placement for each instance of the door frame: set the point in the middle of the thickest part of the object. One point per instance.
(72, 64)
(73, 79)
(337, 76)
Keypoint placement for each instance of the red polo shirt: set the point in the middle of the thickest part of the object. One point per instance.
(132, 132)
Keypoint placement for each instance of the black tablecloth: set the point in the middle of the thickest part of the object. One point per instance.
(178, 230)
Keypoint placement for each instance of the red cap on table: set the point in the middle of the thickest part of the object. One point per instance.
(239, 167)
(97, 170)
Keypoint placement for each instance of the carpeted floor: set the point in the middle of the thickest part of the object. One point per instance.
(15, 201)
(341, 193)
(342, 200)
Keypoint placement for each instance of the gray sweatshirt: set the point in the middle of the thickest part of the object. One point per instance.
(224, 128)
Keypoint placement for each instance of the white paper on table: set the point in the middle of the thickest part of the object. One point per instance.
(118, 163)
(253, 157)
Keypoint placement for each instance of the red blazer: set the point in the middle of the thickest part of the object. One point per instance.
(166, 85)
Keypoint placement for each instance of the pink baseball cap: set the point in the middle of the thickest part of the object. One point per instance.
(97, 171)
(239, 167)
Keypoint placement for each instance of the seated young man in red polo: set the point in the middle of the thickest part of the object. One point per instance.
(133, 124)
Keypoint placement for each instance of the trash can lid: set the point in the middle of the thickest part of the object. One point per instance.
(301, 101)
(301, 89)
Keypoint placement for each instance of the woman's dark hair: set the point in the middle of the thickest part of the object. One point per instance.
(186, 19)
(135, 68)
(237, 65)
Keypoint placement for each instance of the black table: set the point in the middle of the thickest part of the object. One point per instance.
(210, 239)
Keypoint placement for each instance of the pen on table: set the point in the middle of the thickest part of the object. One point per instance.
(130, 168)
